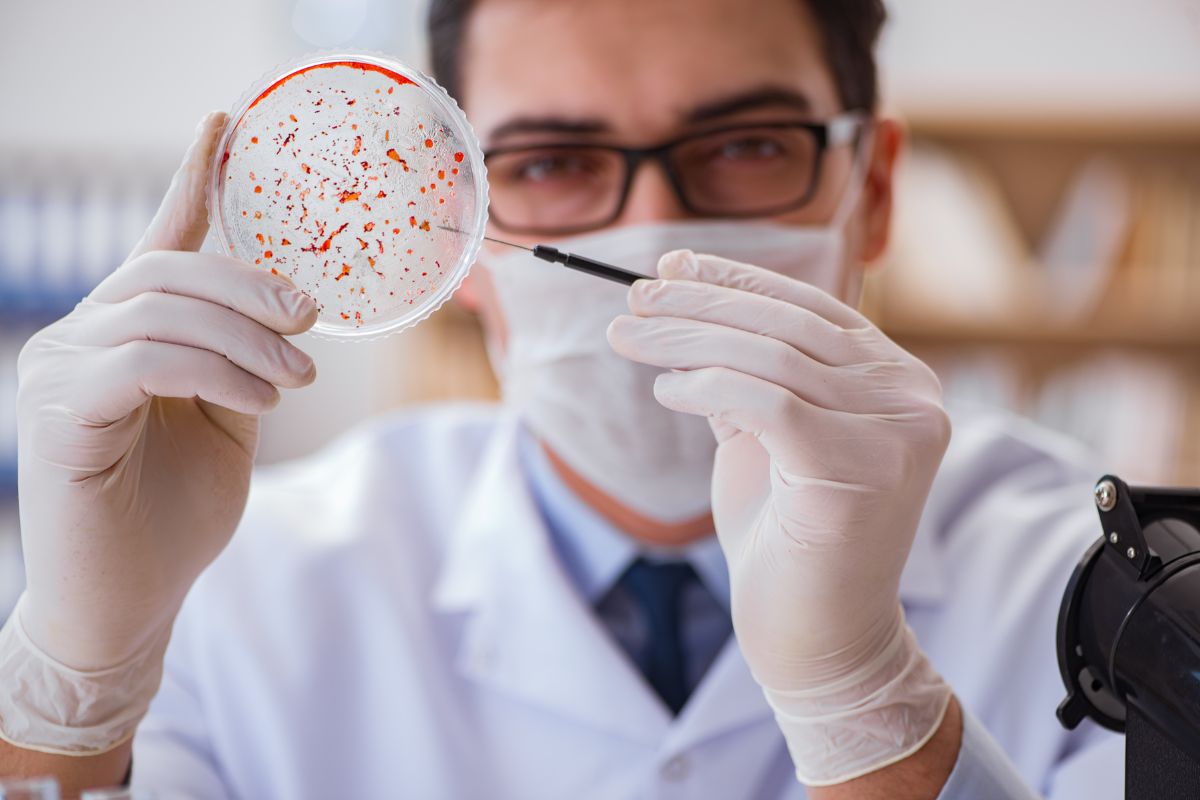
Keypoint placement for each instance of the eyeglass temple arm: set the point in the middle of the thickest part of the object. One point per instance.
(845, 127)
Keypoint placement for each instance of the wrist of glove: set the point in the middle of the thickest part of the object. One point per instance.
(52, 708)
(877, 709)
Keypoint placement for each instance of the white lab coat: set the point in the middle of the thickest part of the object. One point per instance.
(391, 620)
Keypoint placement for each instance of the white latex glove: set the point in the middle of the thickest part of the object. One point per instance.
(829, 436)
(138, 423)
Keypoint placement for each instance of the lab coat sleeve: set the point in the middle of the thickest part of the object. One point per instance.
(983, 771)
(1094, 770)
(172, 752)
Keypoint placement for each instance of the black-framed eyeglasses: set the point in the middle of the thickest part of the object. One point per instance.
(738, 171)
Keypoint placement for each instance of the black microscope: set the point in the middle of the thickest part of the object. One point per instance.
(1129, 636)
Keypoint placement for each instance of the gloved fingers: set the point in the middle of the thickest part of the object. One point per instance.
(687, 344)
(175, 319)
(268, 299)
(689, 266)
(806, 440)
(123, 378)
(803, 329)
(182, 219)
(722, 431)
(783, 423)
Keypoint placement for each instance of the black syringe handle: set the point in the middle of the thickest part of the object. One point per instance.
(597, 268)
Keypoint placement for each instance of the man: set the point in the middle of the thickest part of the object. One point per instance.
(527, 601)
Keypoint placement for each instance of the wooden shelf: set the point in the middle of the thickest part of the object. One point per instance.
(1032, 333)
(987, 117)
(1077, 129)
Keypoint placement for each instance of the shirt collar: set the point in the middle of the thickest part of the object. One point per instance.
(593, 551)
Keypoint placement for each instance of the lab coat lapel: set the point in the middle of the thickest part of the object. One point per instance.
(528, 632)
(727, 698)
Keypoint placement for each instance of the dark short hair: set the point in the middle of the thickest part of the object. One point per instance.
(850, 29)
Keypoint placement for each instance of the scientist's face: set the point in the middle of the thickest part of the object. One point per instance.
(642, 72)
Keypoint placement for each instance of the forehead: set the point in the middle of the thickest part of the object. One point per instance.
(639, 65)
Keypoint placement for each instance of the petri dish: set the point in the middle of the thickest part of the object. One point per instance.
(343, 172)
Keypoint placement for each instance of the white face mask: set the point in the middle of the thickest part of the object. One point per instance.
(595, 409)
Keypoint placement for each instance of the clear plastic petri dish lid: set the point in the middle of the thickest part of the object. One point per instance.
(343, 172)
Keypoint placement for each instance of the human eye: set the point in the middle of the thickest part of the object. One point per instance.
(549, 166)
(752, 148)
(755, 148)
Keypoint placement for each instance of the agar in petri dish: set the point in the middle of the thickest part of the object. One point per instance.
(337, 172)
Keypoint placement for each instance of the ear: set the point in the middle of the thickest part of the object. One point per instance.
(879, 190)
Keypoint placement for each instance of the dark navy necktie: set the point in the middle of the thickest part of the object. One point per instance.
(656, 589)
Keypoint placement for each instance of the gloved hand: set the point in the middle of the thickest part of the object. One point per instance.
(829, 436)
(138, 423)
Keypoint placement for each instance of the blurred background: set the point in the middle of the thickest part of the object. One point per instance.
(1045, 259)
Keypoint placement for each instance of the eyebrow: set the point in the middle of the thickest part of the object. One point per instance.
(578, 127)
(761, 97)
(752, 100)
